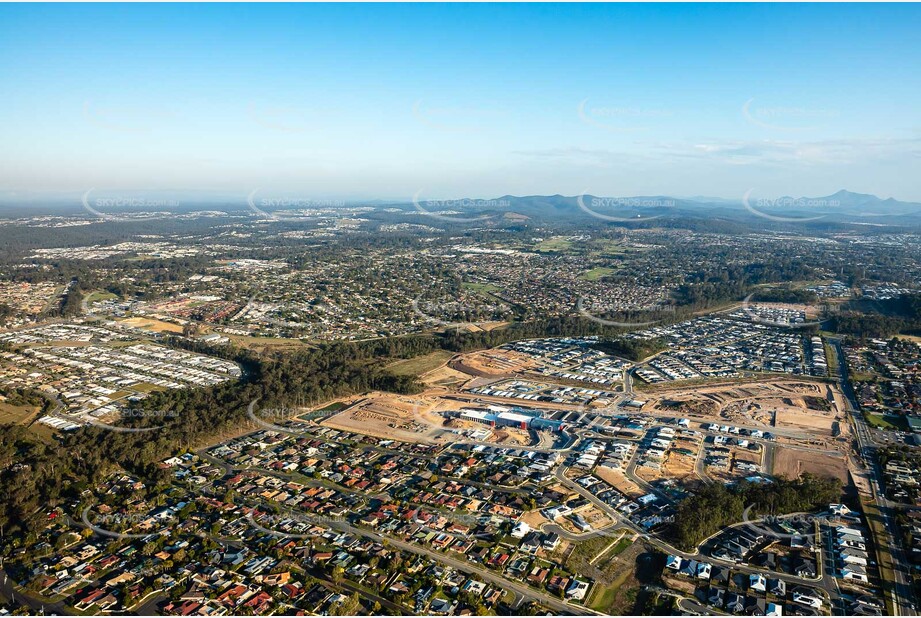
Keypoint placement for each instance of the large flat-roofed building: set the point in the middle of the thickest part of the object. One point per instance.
(479, 416)
(510, 419)
(513, 419)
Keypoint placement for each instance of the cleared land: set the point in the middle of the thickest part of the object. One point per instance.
(555, 244)
(391, 416)
(494, 363)
(792, 463)
(420, 364)
(14, 415)
(157, 326)
(596, 273)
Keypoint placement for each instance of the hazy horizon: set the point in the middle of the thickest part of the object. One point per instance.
(386, 102)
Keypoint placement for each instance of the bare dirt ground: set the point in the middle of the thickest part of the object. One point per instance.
(814, 407)
(791, 463)
(679, 466)
(157, 326)
(619, 480)
(798, 410)
(811, 420)
(595, 517)
(534, 519)
(391, 416)
(513, 437)
(493, 363)
(445, 377)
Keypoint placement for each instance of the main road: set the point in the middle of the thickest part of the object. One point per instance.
(900, 590)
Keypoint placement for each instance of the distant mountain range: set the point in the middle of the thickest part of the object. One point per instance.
(841, 206)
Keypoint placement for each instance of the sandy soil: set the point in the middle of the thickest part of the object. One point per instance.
(618, 480)
(390, 416)
(791, 463)
(157, 326)
(493, 363)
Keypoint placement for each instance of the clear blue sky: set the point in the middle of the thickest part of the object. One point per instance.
(384, 101)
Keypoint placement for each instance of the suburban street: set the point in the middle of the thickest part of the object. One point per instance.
(890, 546)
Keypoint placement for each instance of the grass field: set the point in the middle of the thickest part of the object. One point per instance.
(556, 244)
(893, 423)
(610, 247)
(420, 364)
(264, 343)
(604, 597)
(15, 415)
(622, 544)
(832, 359)
(94, 296)
(596, 273)
(486, 288)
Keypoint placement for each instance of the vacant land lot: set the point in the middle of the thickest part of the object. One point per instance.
(555, 244)
(596, 273)
(14, 415)
(157, 326)
(618, 480)
(792, 463)
(892, 423)
(420, 364)
(392, 416)
(811, 420)
(494, 363)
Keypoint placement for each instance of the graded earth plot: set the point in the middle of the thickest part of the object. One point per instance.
(724, 432)
(494, 363)
(391, 416)
(95, 374)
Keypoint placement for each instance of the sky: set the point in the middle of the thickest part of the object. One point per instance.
(452, 100)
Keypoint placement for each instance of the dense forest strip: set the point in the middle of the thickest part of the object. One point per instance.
(713, 507)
